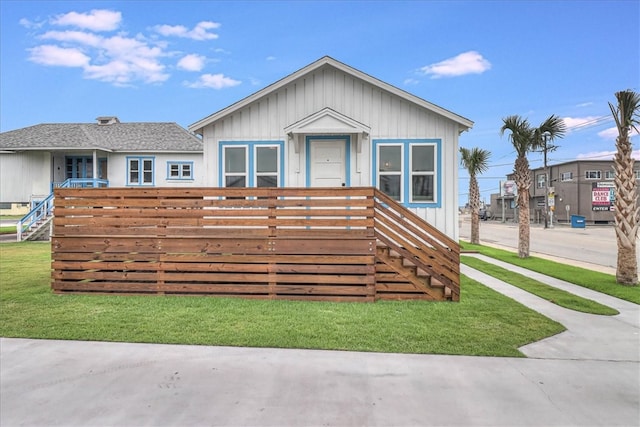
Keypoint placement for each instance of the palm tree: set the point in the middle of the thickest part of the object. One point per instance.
(521, 137)
(525, 139)
(627, 116)
(543, 137)
(475, 161)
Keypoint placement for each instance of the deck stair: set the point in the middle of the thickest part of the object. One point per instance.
(398, 278)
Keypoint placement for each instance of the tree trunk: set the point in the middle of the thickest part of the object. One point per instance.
(626, 214)
(523, 181)
(474, 201)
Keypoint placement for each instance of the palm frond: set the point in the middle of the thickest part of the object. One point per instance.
(522, 135)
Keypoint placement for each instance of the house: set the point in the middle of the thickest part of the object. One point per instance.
(577, 187)
(35, 159)
(330, 125)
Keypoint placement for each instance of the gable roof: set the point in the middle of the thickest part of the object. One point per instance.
(464, 123)
(114, 137)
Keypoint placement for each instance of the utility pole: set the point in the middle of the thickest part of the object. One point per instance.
(546, 183)
(545, 148)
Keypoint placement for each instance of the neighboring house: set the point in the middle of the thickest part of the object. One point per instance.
(330, 125)
(35, 159)
(577, 187)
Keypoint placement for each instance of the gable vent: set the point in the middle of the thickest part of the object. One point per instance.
(107, 120)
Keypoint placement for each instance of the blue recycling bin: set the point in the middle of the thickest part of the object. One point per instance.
(577, 221)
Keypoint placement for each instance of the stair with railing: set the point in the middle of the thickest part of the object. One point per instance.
(36, 225)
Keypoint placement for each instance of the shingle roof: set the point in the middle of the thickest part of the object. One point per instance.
(122, 137)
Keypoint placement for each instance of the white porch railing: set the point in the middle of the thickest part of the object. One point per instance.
(44, 210)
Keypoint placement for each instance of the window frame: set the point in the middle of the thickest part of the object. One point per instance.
(609, 175)
(181, 165)
(141, 181)
(541, 181)
(413, 173)
(588, 172)
(251, 163)
(407, 173)
(563, 177)
(399, 173)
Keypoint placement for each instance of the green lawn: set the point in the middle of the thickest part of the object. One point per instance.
(601, 282)
(483, 323)
(12, 228)
(557, 296)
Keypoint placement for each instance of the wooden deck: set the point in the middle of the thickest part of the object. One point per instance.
(338, 244)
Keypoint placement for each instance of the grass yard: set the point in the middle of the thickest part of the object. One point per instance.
(557, 296)
(601, 282)
(483, 323)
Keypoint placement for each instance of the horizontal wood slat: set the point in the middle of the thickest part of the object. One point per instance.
(292, 243)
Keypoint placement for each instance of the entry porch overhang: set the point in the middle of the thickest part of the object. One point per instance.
(327, 122)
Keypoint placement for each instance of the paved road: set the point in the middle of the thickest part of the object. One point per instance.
(594, 247)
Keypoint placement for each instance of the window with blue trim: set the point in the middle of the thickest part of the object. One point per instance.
(407, 170)
(180, 170)
(140, 170)
(251, 164)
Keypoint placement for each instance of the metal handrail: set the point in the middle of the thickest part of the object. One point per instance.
(44, 209)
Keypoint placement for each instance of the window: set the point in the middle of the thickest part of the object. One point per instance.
(407, 171)
(251, 164)
(592, 175)
(566, 176)
(266, 166)
(140, 170)
(422, 173)
(636, 172)
(610, 174)
(180, 170)
(541, 181)
(390, 170)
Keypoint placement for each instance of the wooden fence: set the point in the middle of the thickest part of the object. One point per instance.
(290, 243)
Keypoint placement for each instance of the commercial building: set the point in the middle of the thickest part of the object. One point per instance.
(578, 187)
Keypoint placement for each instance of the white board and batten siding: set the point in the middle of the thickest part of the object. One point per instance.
(328, 99)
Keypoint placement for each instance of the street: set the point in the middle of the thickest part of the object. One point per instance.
(593, 247)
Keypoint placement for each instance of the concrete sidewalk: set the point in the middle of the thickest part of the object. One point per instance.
(586, 376)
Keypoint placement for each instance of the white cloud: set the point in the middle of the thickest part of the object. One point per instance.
(58, 56)
(214, 81)
(199, 32)
(30, 24)
(81, 37)
(585, 104)
(270, 58)
(604, 155)
(118, 58)
(191, 62)
(612, 133)
(466, 63)
(96, 20)
(575, 123)
(411, 82)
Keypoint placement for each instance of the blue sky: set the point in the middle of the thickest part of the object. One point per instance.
(179, 61)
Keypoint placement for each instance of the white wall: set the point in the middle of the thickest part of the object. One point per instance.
(389, 117)
(24, 174)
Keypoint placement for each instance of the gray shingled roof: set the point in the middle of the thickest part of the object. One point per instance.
(118, 137)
